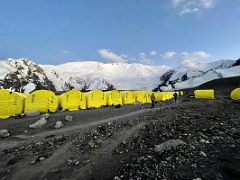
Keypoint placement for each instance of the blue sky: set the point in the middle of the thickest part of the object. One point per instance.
(157, 32)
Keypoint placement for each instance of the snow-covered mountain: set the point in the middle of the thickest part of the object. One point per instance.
(25, 75)
(189, 76)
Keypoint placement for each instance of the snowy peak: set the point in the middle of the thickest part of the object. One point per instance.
(25, 76)
(96, 75)
(189, 76)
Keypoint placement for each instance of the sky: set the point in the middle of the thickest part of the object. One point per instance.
(153, 32)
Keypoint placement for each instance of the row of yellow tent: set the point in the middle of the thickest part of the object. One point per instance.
(15, 104)
(204, 94)
(209, 94)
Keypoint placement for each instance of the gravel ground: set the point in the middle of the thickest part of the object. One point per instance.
(193, 139)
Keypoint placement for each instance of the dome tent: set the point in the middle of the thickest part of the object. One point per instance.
(127, 97)
(94, 99)
(73, 100)
(235, 94)
(108, 98)
(140, 96)
(148, 96)
(159, 96)
(114, 98)
(41, 100)
(11, 103)
(204, 94)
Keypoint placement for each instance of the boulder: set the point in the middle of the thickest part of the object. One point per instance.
(68, 118)
(4, 133)
(58, 125)
(46, 116)
(38, 123)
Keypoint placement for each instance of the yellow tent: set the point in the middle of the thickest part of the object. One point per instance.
(41, 100)
(106, 99)
(148, 96)
(235, 94)
(158, 96)
(181, 93)
(163, 96)
(169, 95)
(204, 94)
(94, 99)
(127, 97)
(73, 100)
(114, 98)
(140, 96)
(11, 103)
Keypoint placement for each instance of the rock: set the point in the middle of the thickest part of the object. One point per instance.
(149, 157)
(116, 178)
(91, 144)
(46, 116)
(197, 179)
(77, 162)
(38, 123)
(168, 145)
(41, 158)
(204, 141)
(58, 125)
(194, 165)
(203, 154)
(4, 133)
(68, 118)
(32, 162)
(33, 113)
(25, 131)
(69, 161)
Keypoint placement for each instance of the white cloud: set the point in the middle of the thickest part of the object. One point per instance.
(124, 55)
(153, 53)
(207, 3)
(177, 2)
(201, 55)
(193, 59)
(187, 10)
(145, 60)
(168, 54)
(112, 57)
(65, 51)
(191, 6)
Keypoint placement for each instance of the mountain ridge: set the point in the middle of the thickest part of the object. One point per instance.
(183, 77)
(23, 75)
(78, 75)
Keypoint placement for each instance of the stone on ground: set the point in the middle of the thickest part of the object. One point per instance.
(168, 145)
(68, 118)
(4, 133)
(58, 125)
(38, 123)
